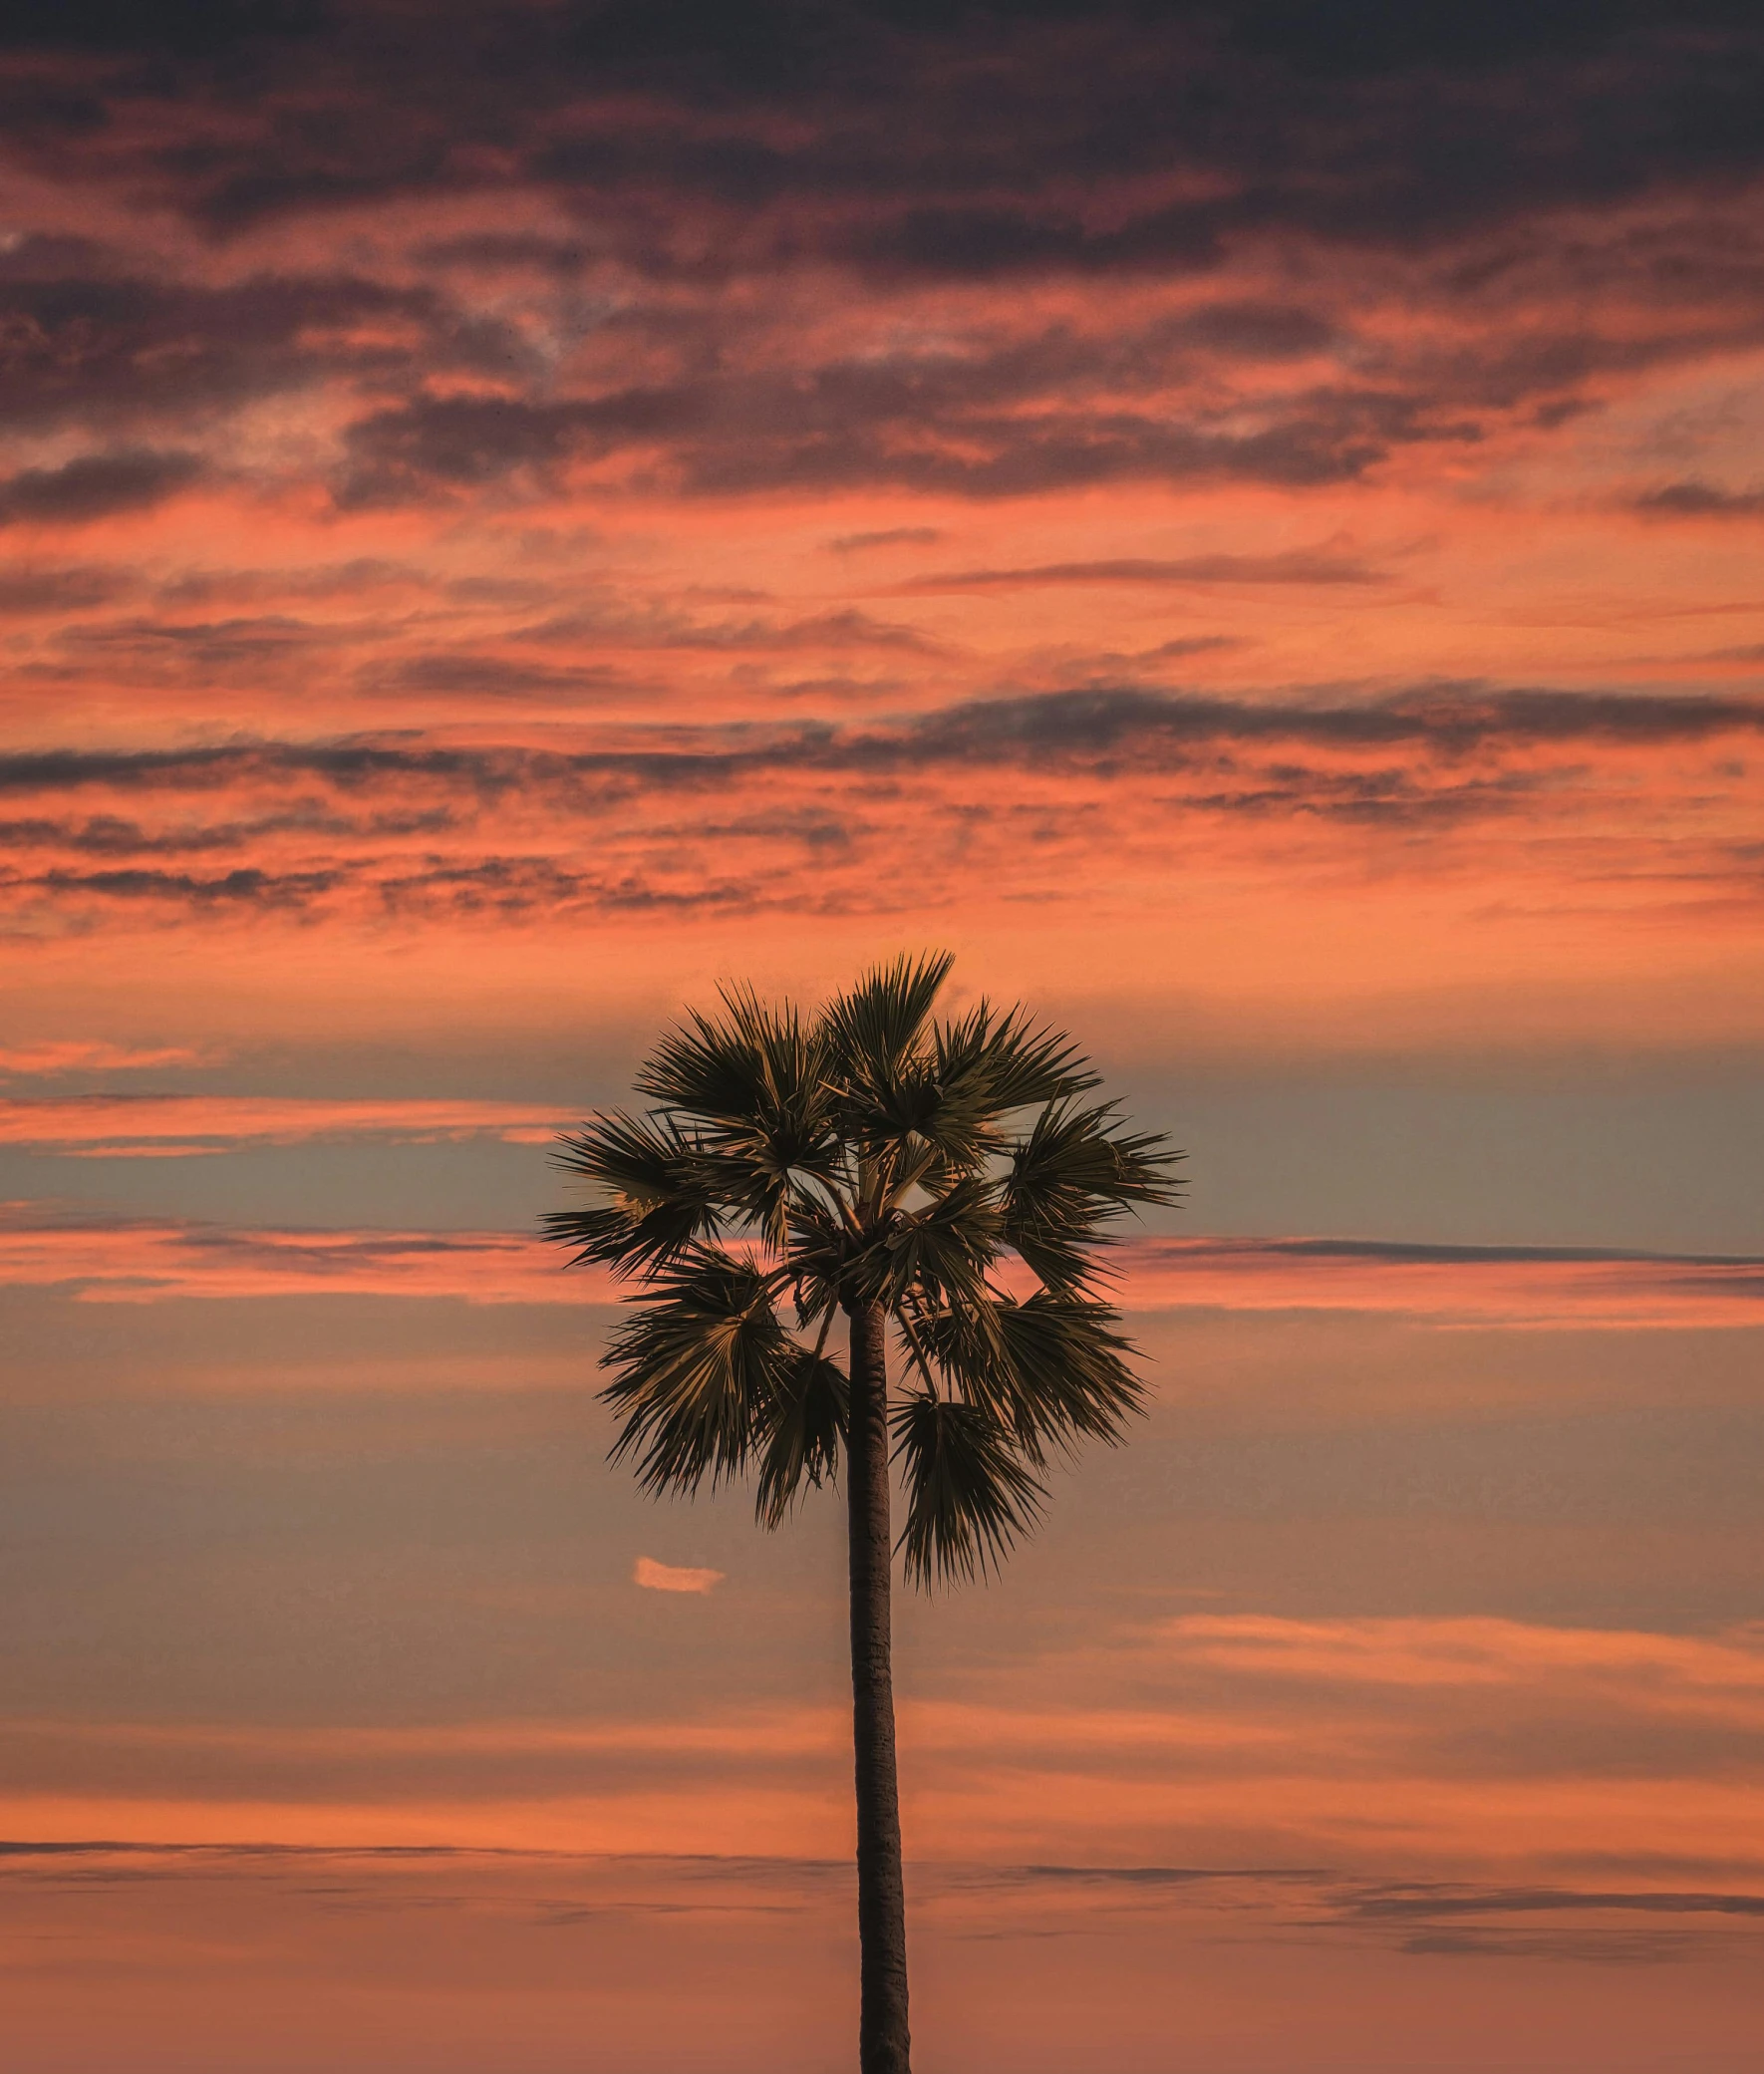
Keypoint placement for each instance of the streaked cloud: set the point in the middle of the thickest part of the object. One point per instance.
(148, 1261)
(1300, 567)
(1522, 1763)
(1534, 1287)
(94, 1055)
(163, 1126)
(1546, 1287)
(1632, 799)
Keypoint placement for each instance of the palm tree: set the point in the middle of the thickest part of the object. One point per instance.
(874, 1161)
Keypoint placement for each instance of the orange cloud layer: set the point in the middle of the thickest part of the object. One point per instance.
(169, 1126)
(1419, 1743)
(143, 1261)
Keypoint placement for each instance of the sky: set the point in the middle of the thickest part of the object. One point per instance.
(1240, 520)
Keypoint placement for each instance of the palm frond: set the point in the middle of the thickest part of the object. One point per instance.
(1075, 1170)
(1007, 1062)
(660, 1193)
(799, 1431)
(969, 1496)
(1050, 1370)
(697, 1363)
(951, 1086)
(943, 1250)
(900, 1113)
(815, 1260)
(708, 1067)
(872, 1028)
(753, 1083)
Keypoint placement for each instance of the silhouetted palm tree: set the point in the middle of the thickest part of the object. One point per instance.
(875, 1161)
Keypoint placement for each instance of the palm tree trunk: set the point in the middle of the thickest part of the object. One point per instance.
(881, 1898)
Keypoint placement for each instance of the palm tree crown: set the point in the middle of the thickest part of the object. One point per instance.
(871, 1157)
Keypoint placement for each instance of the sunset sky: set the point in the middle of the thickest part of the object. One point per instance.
(1243, 521)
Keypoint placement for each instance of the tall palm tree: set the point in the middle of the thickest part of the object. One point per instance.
(875, 1161)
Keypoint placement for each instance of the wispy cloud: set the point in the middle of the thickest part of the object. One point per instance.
(667, 1577)
(94, 1055)
(1298, 566)
(111, 1127)
(1638, 798)
(1537, 1288)
(1409, 1774)
(143, 1261)
(1532, 1286)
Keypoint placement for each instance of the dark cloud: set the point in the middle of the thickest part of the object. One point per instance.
(500, 251)
(1190, 645)
(775, 47)
(1611, 1948)
(1422, 1919)
(85, 337)
(30, 593)
(248, 888)
(115, 835)
(96, 485)
(454, 674)
(962, 140)
(1703, 500)
(1390, 1903)
(1094, 728)
(515, 887)
(1154, 143)
(183, 27)
(1449, 721)
(1149, 1876)
(1450, 1922)
(661, 629)
(889, 536)
(333, 580)
(1304, 565)
(692, 817)
(1424, 1255)
(208, 644)
(950, 424)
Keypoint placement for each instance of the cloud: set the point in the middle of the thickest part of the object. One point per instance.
(889, 536)
(1434, 1902)
(952, 425)
(96, 485)
(93, 1055)
(97, 337)
(662, 1576)
(144, 1262)
(1297, 566)
(109, 1126)
(1529, 1286)
(1446, 720)
(1702, 500)
(1385, 1779)
(623, 360)
(139, 1261)
(1589, 788)
(49, 593)
(452, 673)
(1365, 122)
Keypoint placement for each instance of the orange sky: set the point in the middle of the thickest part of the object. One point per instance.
(1242, 521)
